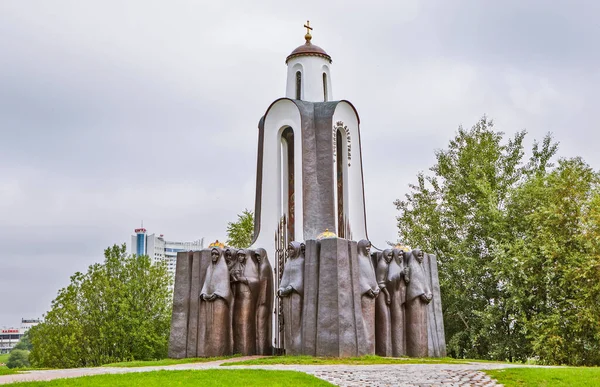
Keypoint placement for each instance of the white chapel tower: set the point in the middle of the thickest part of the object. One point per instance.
(309, 170)
(308, 73)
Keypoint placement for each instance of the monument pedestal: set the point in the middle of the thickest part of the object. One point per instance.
(187, 330)
(181, 306)
(332, 324)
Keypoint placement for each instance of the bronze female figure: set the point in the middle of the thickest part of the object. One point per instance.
(383, 324)
(418, 295)
(291, 292)
(244, 285)
(397, 280)
(215, 299)
(369, 290)
(265, 303)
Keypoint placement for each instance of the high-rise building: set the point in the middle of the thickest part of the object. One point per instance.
(159, 249)
(9, 337)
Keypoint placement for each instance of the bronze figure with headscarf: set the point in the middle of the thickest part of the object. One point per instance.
(383, 324)
(265, 303)
(215, 300)
(369, 290)
(245, 286)
(397, 279)
(291, 292)
(418, 296)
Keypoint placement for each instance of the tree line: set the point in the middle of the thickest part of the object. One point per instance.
(118, 310)
(518, 244)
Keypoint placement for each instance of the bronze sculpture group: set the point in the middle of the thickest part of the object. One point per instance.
(224, 302)
(235, 302)
(394, 306)
(401, 314)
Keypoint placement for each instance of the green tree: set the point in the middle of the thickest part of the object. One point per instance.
(24, 343)
(552, 266)
(240, 233)
(18, 358)
(459, 213)
(118, 310)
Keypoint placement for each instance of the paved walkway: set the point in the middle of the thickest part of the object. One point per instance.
(380, 375)
(420, 375)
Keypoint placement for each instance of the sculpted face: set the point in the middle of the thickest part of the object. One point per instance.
(241, 256)
(388, 256)
(214, 254)
(368, 248)
(258, 257)
(420, 256)
(230, 257)
(291, 250)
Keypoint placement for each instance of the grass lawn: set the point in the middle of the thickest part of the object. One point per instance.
(4, 370)
(547, 377)
(364, 360)
(205, 378)
(164, 362)
(7, 371)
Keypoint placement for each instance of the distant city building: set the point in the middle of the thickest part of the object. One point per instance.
(159, 249)
(9, 337)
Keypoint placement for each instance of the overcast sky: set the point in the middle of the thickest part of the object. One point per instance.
(113, 112)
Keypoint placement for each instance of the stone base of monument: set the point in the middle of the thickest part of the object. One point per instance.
(187, 330)
(332, 323)
(327, 297)
(436, 338)
(181, 306)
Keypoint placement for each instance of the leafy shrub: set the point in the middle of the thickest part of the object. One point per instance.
(19, 358)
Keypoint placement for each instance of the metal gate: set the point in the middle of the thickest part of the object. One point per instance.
(281, 255)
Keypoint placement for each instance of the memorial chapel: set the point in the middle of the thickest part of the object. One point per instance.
(310, 283)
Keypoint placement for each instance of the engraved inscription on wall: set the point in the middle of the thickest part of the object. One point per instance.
(345, 131)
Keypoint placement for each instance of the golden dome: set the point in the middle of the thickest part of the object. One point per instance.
(400, 246)
(326, 235)
(216, 244)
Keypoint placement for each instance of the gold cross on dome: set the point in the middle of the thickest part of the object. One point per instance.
(308, 27)
(308, 36)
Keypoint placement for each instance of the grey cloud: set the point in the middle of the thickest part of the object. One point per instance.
(553, 34)
(116, 112)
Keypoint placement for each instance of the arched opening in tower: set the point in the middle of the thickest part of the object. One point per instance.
(287, 179)
(340, 184)
(298, 85)
(325, 87)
